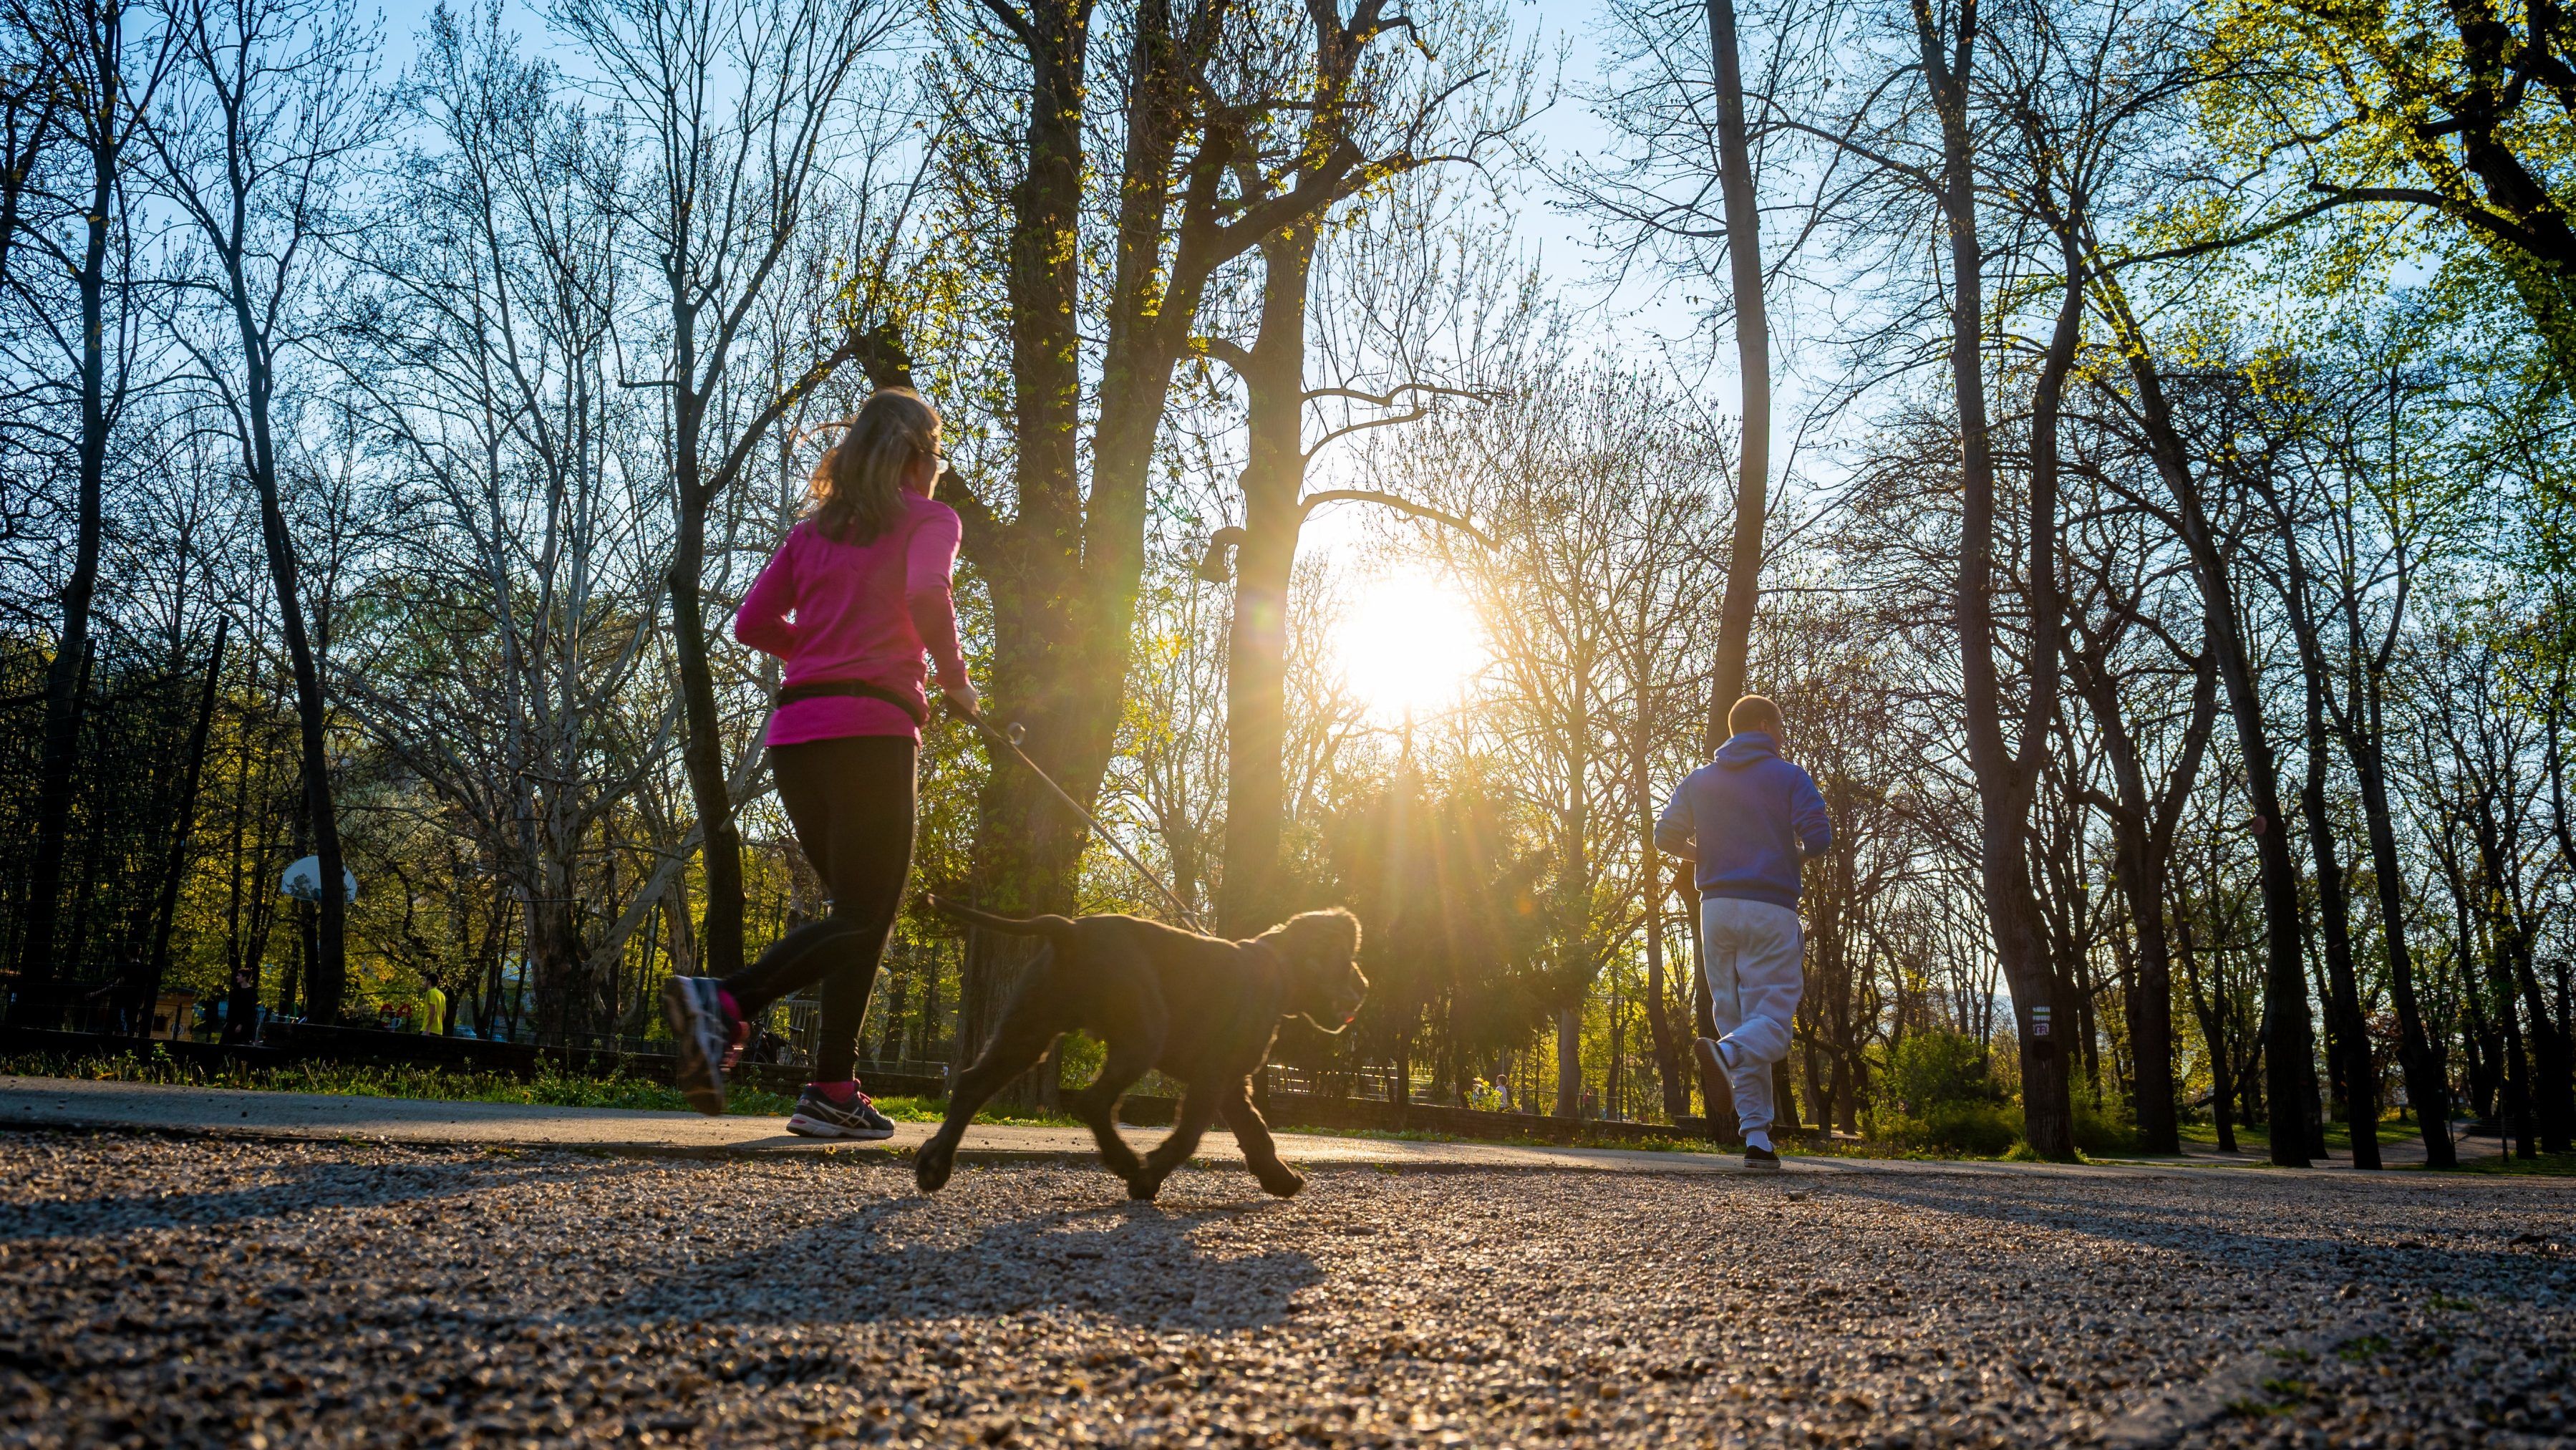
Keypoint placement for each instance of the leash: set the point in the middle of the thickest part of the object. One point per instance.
(1009, 740)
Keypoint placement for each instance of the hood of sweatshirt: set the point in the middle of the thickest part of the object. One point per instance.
(1750, 748)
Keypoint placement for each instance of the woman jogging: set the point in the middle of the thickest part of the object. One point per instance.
(852, 600)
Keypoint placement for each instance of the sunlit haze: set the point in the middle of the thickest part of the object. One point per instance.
(1408, 646)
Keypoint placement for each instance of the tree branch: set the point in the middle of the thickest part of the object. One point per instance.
(1401, 505)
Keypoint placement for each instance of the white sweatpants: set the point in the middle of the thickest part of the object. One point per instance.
(1756, 973)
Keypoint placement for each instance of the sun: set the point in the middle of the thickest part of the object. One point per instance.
(1407, 646)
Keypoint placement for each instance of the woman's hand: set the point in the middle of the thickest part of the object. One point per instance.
(962, 700)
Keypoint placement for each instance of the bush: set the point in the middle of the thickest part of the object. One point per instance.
(2102, 1127)
(1982, 1130)
(1939, 1094)
(1930, 1068)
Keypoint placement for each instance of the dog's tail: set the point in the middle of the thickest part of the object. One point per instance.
(1049, 927)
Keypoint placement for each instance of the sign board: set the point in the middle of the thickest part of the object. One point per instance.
(303, 880)
(2039, 1021)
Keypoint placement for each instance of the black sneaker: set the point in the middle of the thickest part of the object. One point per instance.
(702, 1031)
(1711, 1061)
(1761, 1160)
(819, 1117)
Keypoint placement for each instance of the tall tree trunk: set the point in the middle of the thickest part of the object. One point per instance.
(1064, 570)
(2552, 1087)
(701, 736)
(326, 972)
(158, 963)
(1753, 366)
(60, 749)
(2212, 1010)
(2348, 1043)
(2142, 844)
(2289, 1042)
(1569, 1061)
(1026, 847)
(2006, 771)
(2350, 1039)
(1256, 695)
(1670, 1047)
(2421, 1056)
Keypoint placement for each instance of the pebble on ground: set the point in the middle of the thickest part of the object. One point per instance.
(159, 1291)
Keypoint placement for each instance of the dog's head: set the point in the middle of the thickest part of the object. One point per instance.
(1321, 951)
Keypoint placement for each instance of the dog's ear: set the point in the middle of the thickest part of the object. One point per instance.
(1323, 940)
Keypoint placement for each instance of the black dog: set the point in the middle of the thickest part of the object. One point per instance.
(1199, 1009)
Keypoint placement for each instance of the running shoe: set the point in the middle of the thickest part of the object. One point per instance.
(1712, 1058)
(1761, 1160)
(702, 1030)
(819, 1117)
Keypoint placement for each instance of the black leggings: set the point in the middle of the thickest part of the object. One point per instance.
(851, 801)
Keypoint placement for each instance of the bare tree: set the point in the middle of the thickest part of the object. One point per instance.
(1381, 221)
(85, 94)
(484, 345)
(268, 107)
(748, 108)
(1572, 473)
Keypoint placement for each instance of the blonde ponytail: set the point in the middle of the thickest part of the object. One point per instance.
(857, 488)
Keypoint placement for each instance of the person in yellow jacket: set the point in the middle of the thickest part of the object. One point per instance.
(431, 1019)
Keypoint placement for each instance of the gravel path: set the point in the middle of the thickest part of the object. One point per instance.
(162, 1290)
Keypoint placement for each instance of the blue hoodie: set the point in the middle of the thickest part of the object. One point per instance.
(1745, 817)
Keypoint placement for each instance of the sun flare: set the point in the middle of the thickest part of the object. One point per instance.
(1408, 646)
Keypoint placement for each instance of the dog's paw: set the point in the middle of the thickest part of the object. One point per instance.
(1143, 1186)
(932, 1168)
(1283, 1184)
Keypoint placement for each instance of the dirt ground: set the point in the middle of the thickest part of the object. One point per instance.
(186, 1290)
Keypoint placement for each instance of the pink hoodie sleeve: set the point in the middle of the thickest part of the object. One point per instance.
(929, 557)
(762, 621)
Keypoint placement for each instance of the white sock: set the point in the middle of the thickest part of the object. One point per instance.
(1758, 1138)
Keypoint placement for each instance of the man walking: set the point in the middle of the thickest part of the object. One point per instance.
(1747, 818)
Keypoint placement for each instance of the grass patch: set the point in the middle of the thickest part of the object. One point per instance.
(549, 1088)
(2358, 1351)
(2258, 1141)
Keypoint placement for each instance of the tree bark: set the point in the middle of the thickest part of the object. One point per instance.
(326, 974)
(2421, 1057)
(1671, 1050)
(2289, 1043)
(158, 964)
(2348, 1043)
(2006, 771)
(2142, 841)
(1753, 366)
(1569, 1061)
(1064, 570)
(103, 119)
(1256, 689)
(2350, 1039)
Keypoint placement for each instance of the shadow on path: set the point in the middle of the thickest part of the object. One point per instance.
(1138, 1263)
(2250, 1223)
(283, 1189)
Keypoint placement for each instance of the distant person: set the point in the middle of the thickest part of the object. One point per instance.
(1747, 818)
(433, 1013)
(852, 600)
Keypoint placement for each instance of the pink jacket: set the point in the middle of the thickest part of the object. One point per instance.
(858, 612)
